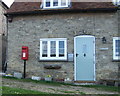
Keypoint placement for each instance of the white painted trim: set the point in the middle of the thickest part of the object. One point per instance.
(75, 58)
(84, 36)
(115, 57)
(65, 45)
(53, 7)
(51, 4)
(40, 49)
(52, 39)
(81, 36)
(59, 2)
(48, 48)
(116, 2)
(57, 45)
(94, 61)
(57, 52)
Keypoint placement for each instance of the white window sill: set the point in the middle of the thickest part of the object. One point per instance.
(53, 59)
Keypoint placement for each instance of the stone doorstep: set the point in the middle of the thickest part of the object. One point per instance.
(85, 82)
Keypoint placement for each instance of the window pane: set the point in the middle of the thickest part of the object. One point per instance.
(61, 48)
(61, 52)
(53, 49)
(47, 3)
(44, 49)
(63, 2)
(55, 2)
(117, 42)
(61, 44)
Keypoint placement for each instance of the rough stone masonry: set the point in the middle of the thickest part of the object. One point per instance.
(27, 30)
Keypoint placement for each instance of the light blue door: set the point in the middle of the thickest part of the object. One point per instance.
(84, 58)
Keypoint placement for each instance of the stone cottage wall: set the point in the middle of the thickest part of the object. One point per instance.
(3, 34)
(28, 30)
(119, 36)
(1, 52)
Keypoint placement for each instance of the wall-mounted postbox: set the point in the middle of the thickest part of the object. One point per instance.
(24, 53)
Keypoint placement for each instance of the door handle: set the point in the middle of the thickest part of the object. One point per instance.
(77, 54)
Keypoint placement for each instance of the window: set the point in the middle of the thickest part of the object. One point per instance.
(53, 49)
(116, 48)
(55, 3)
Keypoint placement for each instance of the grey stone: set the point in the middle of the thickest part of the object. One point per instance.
(17, 75)
(61, 26)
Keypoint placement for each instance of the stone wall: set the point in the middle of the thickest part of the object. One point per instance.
(0, 52)
(118, 21)
(1, 17)
(3, 34)
(4, 52)
(0, 37)
(27, 31)
(119, 36)
(3, 23)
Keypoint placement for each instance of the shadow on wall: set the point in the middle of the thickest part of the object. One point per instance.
(4, 47)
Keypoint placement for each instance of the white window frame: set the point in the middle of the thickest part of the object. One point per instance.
(114, 48)
(57, 49)
(59, 4)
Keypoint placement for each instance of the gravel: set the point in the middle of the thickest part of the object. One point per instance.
(63, 89)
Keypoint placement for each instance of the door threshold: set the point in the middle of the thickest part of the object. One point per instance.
(85, 82)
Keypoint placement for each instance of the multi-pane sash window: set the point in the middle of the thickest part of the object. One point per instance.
(116, 48)
(53, 49)
(55, 3)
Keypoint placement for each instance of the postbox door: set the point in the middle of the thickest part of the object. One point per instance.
(24, 53)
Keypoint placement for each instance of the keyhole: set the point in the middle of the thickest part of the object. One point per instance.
(84, 54)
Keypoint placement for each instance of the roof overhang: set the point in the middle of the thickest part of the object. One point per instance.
(54, 11)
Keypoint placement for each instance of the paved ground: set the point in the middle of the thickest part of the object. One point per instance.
(52, 89)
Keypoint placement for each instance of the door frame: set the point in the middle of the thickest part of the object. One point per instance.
(75, 55)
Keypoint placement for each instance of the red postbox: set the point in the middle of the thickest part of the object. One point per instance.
(24, 53)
